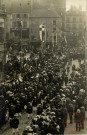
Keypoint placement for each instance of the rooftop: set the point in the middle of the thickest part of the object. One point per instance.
(44, 13)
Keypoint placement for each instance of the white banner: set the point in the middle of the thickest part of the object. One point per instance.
(41, 30)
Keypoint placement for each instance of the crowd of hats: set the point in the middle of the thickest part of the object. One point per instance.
(44, 81)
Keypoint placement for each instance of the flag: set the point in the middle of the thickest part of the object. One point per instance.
(42, 31)
(7, 58)
(20, 78)
(56, 39)
(65, 39)
(21, 23)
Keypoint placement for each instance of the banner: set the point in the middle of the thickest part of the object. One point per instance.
(42, 31)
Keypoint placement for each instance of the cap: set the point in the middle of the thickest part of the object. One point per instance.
(78, 110)
(15, 115)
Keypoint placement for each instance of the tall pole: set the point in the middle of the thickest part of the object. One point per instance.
(56, 39)
(0, 3)
(21, 37)
(86, 55)
(45, 36)
(4, 61)
(52, 41)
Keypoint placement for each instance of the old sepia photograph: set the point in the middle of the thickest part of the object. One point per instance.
(43, 67)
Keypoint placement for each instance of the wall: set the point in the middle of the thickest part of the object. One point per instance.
(35, 22)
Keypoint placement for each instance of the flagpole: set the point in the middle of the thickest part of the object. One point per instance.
(56, 40)
(52, 41)
(45, 37)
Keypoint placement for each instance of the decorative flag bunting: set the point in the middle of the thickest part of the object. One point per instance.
(42, 31)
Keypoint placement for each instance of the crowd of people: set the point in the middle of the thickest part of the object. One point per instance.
(48, 88)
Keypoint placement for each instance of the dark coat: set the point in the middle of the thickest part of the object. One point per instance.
(83, 115)
(39, 110)
(12, 111)
(78, 117)
(70, 109)
(14, 123)
(34, 102)
(18, 108)
(29, 109)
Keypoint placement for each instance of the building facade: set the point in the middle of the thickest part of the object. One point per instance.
(18, 20)
(50, 14)
(2, 39)
(75, 20)
(2, 25)
(19, 25)
(24, 19)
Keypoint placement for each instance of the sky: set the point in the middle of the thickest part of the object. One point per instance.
(82, 3)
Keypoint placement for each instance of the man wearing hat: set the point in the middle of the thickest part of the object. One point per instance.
(78, 118)
(29, 110)
(14, 122)
(82, 116)
(70, 111)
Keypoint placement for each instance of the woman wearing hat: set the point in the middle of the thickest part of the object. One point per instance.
(78, 118)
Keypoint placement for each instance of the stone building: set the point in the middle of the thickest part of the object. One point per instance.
(75, 20)
(18, 20)
(50, 14)
(2, 24)
(25, 17)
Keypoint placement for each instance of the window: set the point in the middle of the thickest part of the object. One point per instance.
(25, 15)
(68, 26)
(54, 22)
(31, 30)
(47, 34)
(32, 37)
(54, 29)
(18, 24)
(1, 23)
(25, 24)
(13, 24)
(13, 16)
(68, 19)
(18, 15)
(74, 19)
(80, 19)
(80, 25)
(54, 38)
(74, 26)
